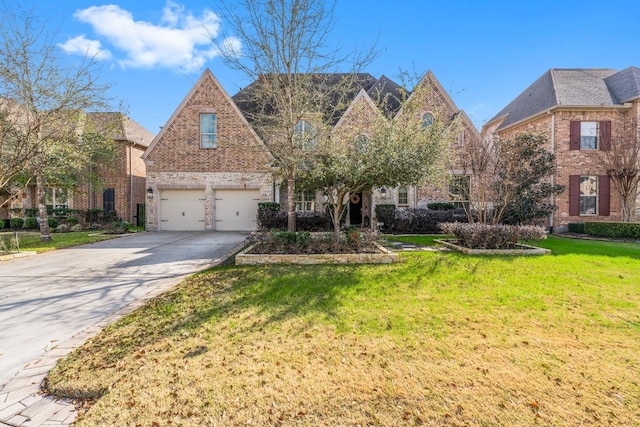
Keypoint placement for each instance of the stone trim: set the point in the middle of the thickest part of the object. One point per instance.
(525, 249)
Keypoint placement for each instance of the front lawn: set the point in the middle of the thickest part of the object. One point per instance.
(442, 339)
(30, 241)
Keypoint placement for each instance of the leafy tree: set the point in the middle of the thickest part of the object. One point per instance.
(42, 104)
(621, 162)
(282, 45)
(396, 151)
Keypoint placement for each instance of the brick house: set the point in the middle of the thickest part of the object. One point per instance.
(122, 183)
(582, 112)
(208, 168)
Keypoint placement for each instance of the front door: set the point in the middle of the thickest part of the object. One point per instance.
(355, 209)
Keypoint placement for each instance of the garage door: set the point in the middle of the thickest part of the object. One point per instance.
(236, 209)
(182, 210)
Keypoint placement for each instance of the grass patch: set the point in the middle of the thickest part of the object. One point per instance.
(420, 240)
(442, 339)
(30, 241)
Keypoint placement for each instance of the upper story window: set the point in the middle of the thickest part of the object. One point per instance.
(589, 135)
(208, 130)
(361, 143)
(403, 196)
(427, 120)
(305, 135)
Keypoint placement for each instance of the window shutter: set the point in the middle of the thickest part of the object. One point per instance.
(574, 135)
(605, 135)
(574, 195)
(604, 195)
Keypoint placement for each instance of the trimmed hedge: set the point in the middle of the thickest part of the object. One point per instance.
(576, 227)
(16, 222)
(492, 236)
(441, 206)
(270, 217)
(423, 221)
(613, 229)
(30, 223)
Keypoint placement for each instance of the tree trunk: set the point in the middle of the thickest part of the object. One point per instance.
(291, 205)
(45, 234)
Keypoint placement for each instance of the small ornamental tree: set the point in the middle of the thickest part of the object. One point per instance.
(514, 176)
(621, 163)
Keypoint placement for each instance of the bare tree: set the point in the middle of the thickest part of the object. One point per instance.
(621, 163)
(42, 103)
(282, 45)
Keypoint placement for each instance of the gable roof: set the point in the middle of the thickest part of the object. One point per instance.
(207, 74)
(122, 128)
(572, 87)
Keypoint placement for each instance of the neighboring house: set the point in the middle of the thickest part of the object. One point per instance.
(121, 184)
(582, 111)
(208, 168)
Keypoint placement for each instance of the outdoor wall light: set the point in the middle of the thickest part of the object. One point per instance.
(383, 191)
(149, 193)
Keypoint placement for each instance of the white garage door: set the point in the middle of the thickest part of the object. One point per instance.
(236, 209)
(182, 210)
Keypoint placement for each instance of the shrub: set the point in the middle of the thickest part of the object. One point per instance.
(53, 222)
(30, 223)
(425, 221)
(72, 220)
(441, 206)
(119, 226)
(613, 229)
(16, 222)
(311, 221)
(385, 215)
(31, 212)
(491, 236)
(270, 217)
(1, 224)
(576, 227)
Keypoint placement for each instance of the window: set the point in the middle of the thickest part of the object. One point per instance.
(427, 120)
(589, 135)
(109, 200)
(56, 198)
(361, 143)
(403, 196)
(208, 131)
(459, 186)
(305, 201)
(461, 138)
(305, 135)
(588, 195)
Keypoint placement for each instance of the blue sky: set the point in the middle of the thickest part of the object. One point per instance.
(484, 53)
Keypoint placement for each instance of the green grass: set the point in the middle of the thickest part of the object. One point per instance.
(30, 241)
(441, 339)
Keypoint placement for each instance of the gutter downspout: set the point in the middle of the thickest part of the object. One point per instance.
(553, 176)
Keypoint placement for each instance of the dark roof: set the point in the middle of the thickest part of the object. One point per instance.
(387, 94)
(249, 103)
(572, 87)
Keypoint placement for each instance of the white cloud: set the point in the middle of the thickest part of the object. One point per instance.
(179, 41)
(83, 46)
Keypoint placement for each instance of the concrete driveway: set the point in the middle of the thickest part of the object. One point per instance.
(47, 299)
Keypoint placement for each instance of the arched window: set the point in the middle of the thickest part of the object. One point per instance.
(427, 120)
(403, 196)
(305, 135)
(361, 143)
